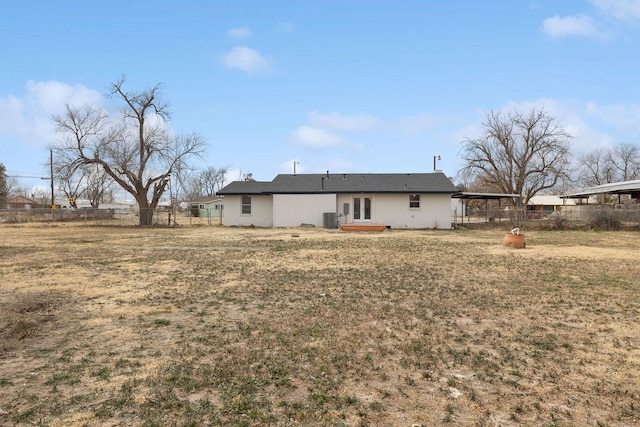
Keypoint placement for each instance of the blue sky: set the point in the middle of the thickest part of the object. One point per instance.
(345, 86)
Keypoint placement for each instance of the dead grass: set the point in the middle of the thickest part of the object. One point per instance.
(210, 326)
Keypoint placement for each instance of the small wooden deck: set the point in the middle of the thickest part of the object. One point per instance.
(362, 227)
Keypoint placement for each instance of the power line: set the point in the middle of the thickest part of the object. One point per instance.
(21, 173)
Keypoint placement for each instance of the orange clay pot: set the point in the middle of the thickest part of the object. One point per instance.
(515, 241)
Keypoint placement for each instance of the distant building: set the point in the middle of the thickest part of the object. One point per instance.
(207, 207)
(20, 202)
(540, 206)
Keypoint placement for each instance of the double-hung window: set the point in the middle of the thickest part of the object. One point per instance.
(414, 201)
(246, 205)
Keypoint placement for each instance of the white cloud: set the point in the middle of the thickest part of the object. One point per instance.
(284, 27)
(621, 116)
(11, 115)
(591, 125)
(52, 96)
(341, 122)
(328, 130)
(322, 130)
(606, 22)
(622, 10)
(316, 138)
(575, 25)
(246, 59)
(28, 118)
(239, 33)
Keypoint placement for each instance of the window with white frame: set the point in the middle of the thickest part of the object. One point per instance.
(414, 201)
(246, 205)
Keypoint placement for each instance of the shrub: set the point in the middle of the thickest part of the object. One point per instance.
(605, 220)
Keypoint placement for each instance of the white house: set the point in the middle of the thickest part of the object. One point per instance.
(207, 207)
(549, 202)
(410, 200)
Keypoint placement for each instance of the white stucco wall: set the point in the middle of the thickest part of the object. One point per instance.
(284, 210)
(261, 211)
(292, 210)
(393, 210)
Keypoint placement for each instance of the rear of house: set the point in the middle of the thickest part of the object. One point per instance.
(396, 200)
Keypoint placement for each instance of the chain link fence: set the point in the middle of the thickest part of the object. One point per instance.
(606, 217)
(124, 217)
(590, 216)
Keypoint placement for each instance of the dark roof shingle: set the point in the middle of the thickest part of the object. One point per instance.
(404, 183)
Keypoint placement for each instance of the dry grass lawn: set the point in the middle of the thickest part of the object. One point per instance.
(127, 326)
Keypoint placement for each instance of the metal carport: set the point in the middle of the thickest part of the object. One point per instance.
(466, 195)
(623, 187)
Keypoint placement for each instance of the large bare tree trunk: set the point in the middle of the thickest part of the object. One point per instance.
(146, 216)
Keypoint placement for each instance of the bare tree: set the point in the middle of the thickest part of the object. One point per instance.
(43, 196)
(207, 179)
(212, 180)
(605, 165)
(625, 157)
(15, 186)
(595, 168)
(96, 183)
(206, 182)
(519, 153)
(75, 178)
(189, 183)
(9, 185)
(4, 189)
(68, 175)
(68, 182)
(138, 151)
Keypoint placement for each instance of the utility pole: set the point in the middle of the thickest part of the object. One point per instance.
(53, 203)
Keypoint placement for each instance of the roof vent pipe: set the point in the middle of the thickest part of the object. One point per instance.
(327, 174)
(322, 179)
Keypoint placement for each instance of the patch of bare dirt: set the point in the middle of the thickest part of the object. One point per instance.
(26, 315)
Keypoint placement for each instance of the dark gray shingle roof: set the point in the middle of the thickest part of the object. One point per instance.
(245, 187)
(403, 183)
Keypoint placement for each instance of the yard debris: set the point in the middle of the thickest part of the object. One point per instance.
(2, 412)
(454, 392)
(462, 375)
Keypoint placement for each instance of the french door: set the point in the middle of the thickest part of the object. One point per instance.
(362, 208)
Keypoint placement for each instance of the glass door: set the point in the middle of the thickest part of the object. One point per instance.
(362, 208)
